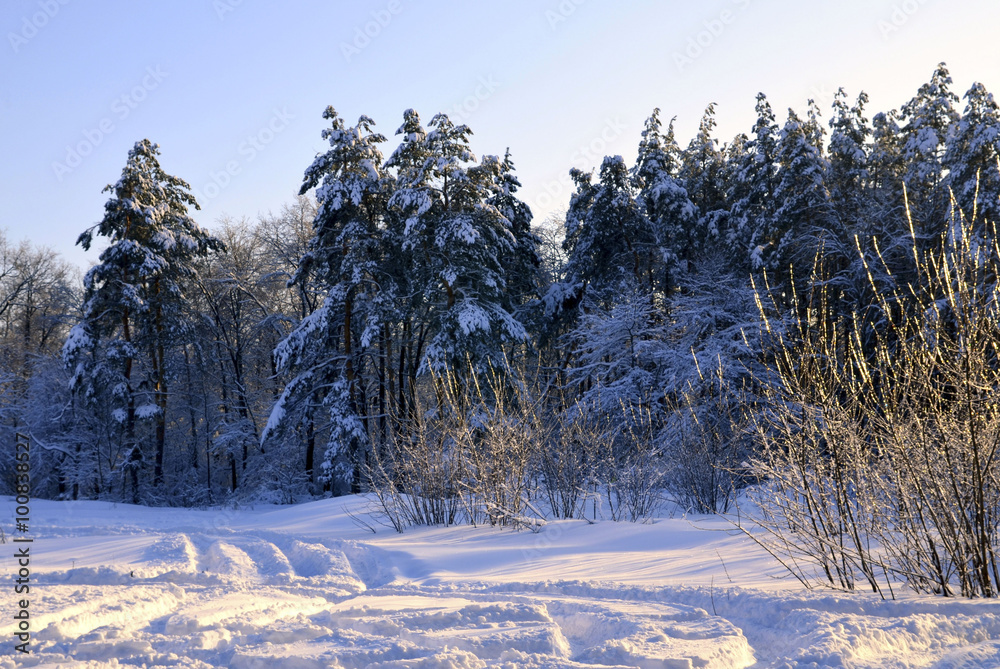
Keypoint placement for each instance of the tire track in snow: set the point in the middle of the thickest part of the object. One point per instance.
(124, 609)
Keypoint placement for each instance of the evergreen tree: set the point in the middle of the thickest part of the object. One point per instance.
(756, 180)
(855, 165)
(131, 302)
(456, 240)
(671, 217)
(658, 154)
(849, 179)
(929, 118)
(971, 157)
(701, 174)
(522, 265)
(343, 263)
(562, 299)
(733, 159)
(886, 170)
(671, 150)
(804, 215)
(608, 235)
(885, 160)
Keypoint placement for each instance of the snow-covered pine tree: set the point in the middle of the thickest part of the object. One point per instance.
(559, 305)
(612, 237)
(657, 153)
(755, 182)
(672, 150)
(886, 170)
(848, 176)
(854, 169)
(522, 266)
(580, 203)
(342, 264)
(733, 157)
(455, 239)
(930, 116)
(130, 315)
(701, 174)
(804, 219)
(971, 157)
(664, 202)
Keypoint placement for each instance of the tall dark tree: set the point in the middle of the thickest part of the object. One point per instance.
(929, 119)
(456, 238)
(972, 157)
(608, 235)
(522, 264)
(804, 218)
(323, 352)
(671, 217)
(701, 175)
(129, 321)
(755, 183)
(849, 179)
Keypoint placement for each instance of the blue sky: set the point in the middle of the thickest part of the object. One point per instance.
(233, 90)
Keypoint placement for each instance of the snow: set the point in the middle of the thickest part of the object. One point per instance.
(146, 411)
(307, 586)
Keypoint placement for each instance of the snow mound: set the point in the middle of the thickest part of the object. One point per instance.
(303, 586)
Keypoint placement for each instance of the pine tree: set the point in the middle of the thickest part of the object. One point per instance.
(886, 171)
(608, 235)
(129, 320)
(930, 117)
(849, 179)
(971, 157)
(755, 183)
(343, 263)
(804, 213)
(733, 158)
(562, 298)
(658, 154)
(671, 217)
(522, 265)
(701, 175)
(856, 164)
(456, 239)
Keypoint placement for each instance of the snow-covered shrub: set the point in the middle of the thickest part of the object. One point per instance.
(879, 461)
(566, 464)
(468, 459)
(705, 440)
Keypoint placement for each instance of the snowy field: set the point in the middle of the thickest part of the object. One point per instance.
(305, 586)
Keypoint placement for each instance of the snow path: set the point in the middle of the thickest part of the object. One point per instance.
(303, 586)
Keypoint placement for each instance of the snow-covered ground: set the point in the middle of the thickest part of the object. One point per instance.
(305, 586)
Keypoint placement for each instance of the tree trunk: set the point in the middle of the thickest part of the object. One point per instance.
(133, 454)
(159, 388)
(191, 414)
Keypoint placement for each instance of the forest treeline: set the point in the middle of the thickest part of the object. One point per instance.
(403, 327)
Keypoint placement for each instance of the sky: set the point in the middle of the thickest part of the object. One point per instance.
(234, 90)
